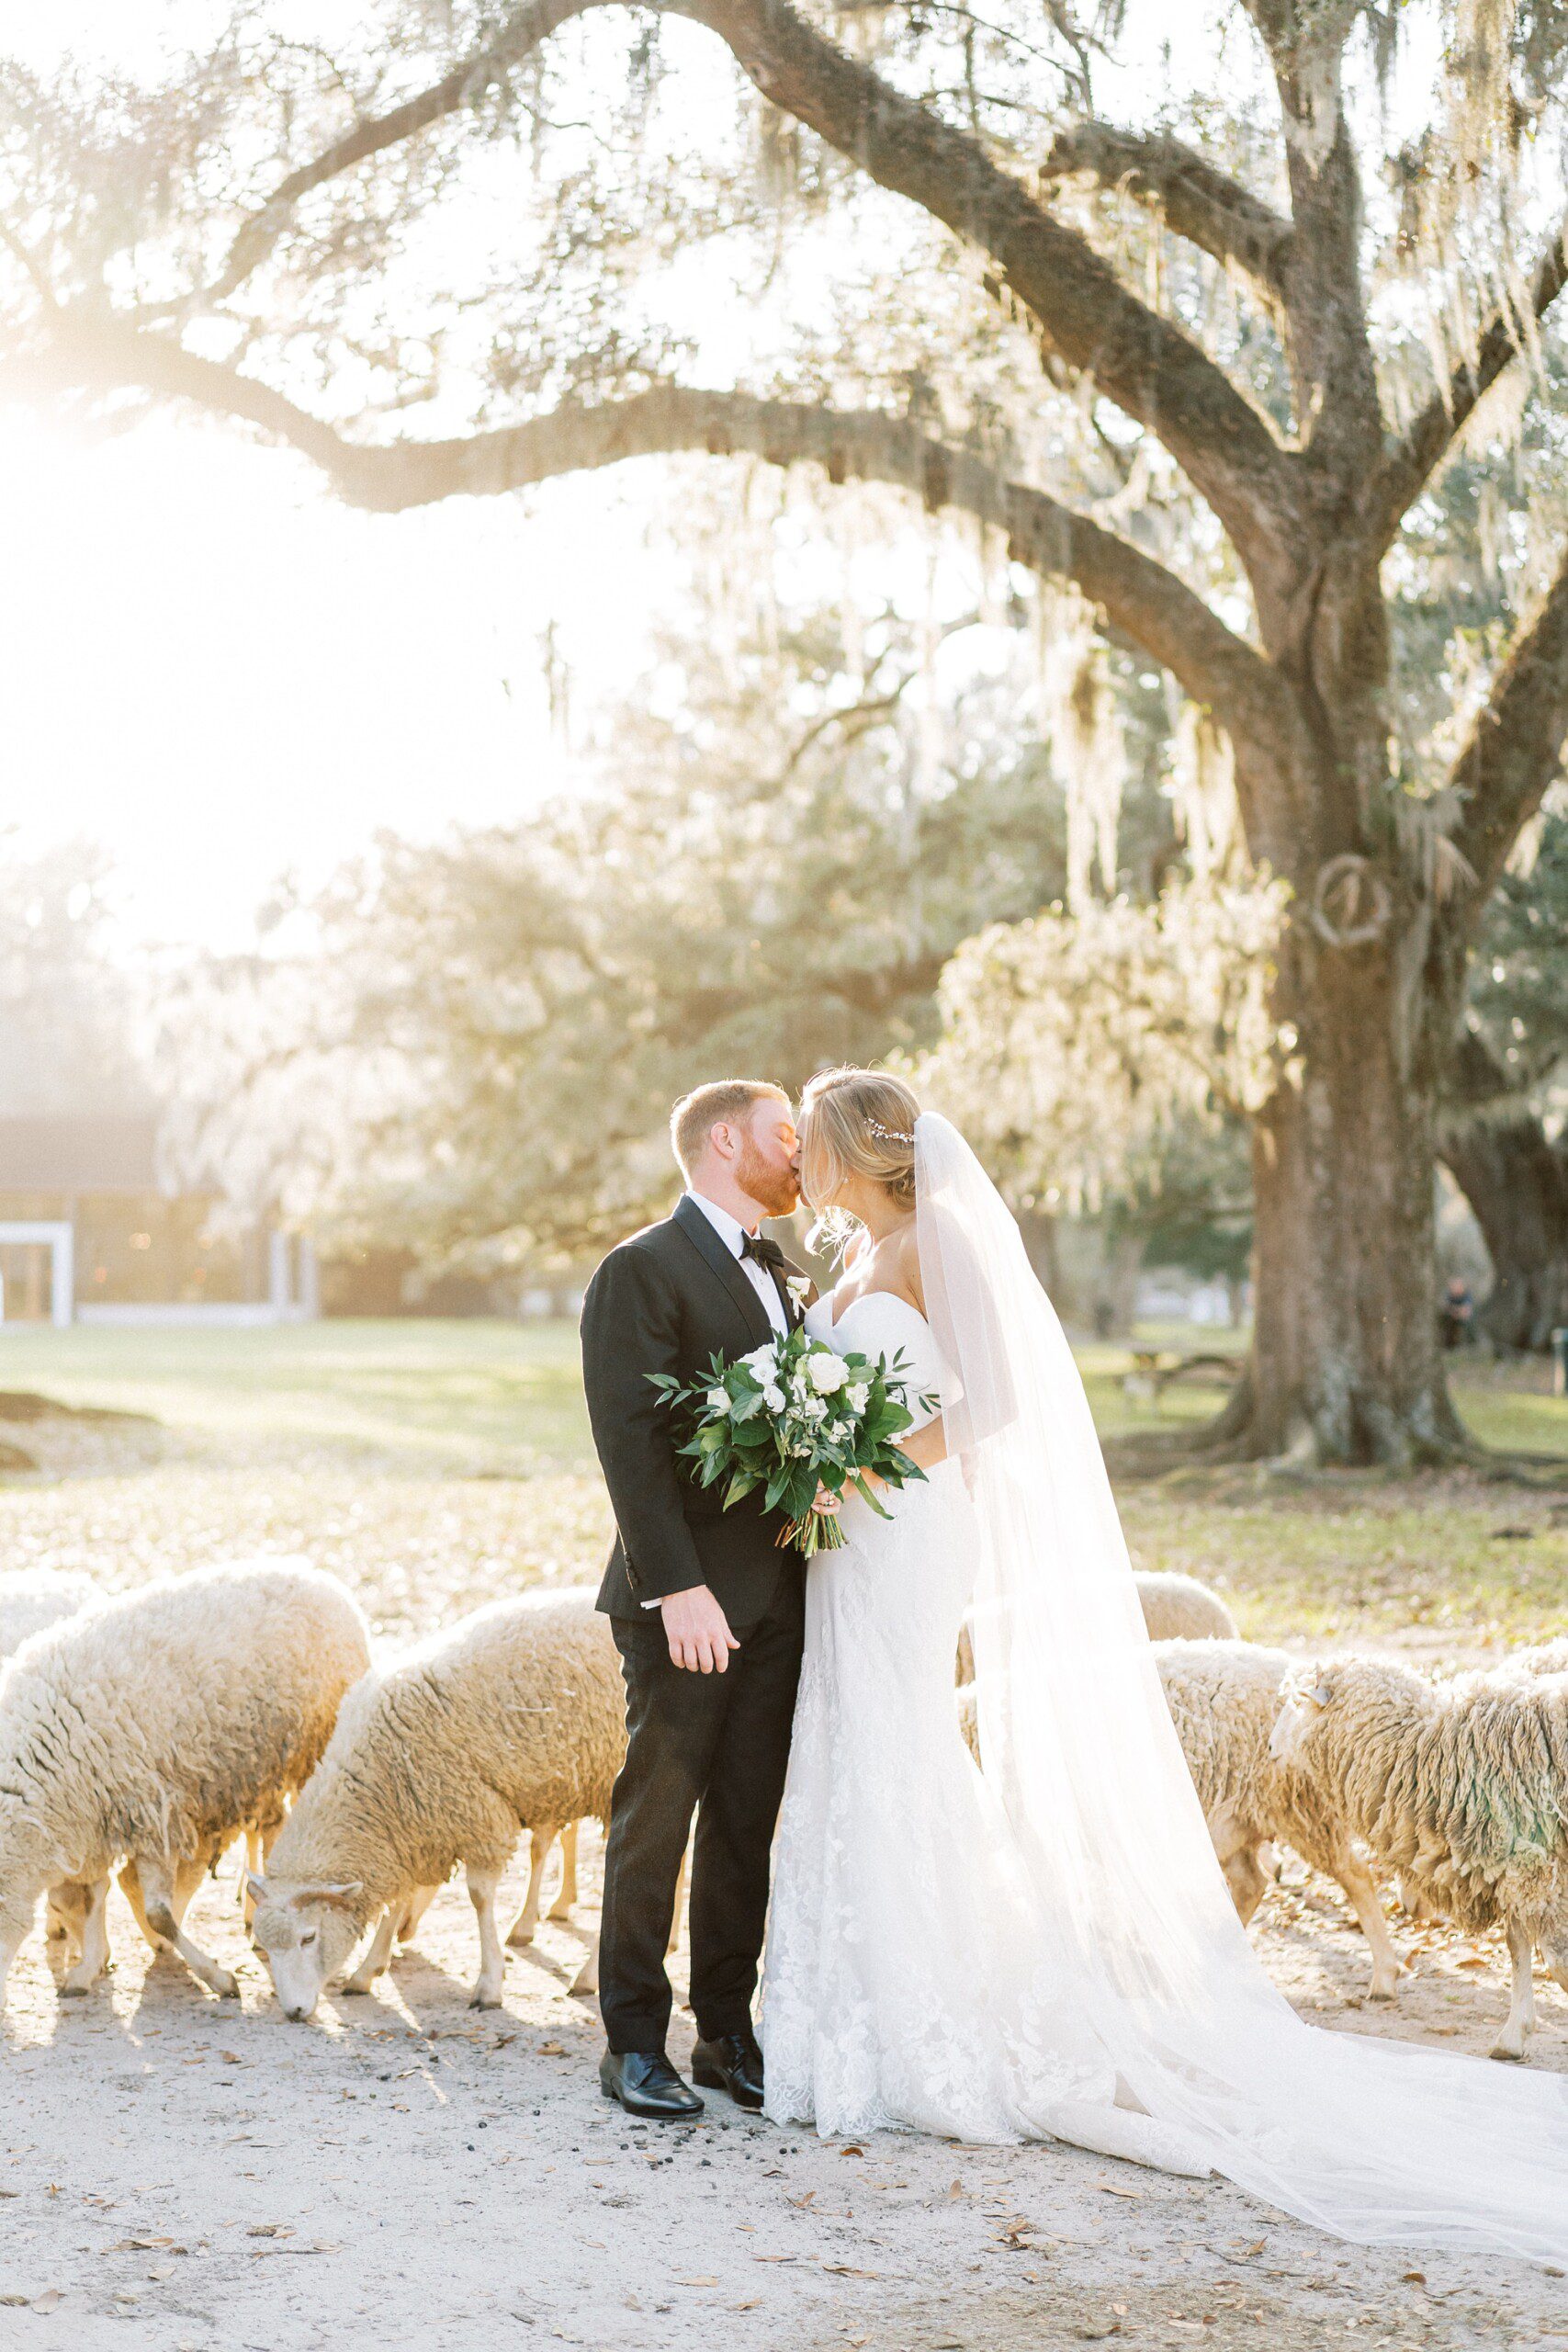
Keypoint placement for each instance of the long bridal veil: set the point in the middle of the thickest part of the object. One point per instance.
(1375, 2141)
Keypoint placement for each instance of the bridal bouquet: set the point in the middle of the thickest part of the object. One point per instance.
(794, 1416)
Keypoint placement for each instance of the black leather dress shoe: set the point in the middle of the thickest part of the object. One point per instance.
(732, 2063)
(647, 2084)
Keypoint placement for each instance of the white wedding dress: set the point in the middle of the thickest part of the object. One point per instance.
(1048, 1950)
(908, 1980)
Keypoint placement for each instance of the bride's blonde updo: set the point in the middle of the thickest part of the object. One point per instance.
(859, 1123)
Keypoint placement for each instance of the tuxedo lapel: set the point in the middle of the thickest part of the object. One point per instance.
(726, 1266)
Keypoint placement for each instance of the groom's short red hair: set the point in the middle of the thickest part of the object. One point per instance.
(722, 1101)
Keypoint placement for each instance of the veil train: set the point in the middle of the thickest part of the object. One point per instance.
(1376, 2142)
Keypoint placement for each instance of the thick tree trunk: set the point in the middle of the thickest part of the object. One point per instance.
(1516, 1183)
(1345, 1363)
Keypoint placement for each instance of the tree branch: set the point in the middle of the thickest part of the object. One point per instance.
(1407, 468)
(1153, 371)
(1515, 745)
(1194, 198)
(454, 94)
(1139, 597)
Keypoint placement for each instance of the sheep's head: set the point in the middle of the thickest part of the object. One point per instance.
(1303, 1698)
(304, 1933)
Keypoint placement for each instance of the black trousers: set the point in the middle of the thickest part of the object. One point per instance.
(717, 1745)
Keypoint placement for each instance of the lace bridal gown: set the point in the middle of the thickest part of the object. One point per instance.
(1047, 1948)
(909, 1980)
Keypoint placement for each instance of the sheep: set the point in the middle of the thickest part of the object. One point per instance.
(1180, 1609)
(1224, 1699)
(31, 1599)
(1175, 1607)
(150, 1731)
(512, 1718)
(1460, 1785)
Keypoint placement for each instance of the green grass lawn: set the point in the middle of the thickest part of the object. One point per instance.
(434, 1464)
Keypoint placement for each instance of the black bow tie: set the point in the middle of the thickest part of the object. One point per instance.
(766, 1252)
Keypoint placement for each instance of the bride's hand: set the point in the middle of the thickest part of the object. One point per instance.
(828, 1503)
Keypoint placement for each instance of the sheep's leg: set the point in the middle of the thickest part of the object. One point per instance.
(587, 1977)
(1243, 1876)
(260, 1839)
(482, 1886)
(561, 1907)
(414, 1909)
(1236, 1851)
(1510, 2043)
(380, 1953)
(1363, 1895)
(523, 1927)
(160, 1888)
(65, 1914)
(95, 1940)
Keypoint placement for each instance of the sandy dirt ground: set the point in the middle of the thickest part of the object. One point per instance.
(200, 2176)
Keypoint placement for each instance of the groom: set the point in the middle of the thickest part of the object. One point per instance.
(707, 1614)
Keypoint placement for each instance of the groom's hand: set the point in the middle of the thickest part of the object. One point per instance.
(697, 1631)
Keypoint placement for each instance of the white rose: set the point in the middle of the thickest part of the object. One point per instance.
(826, 1372)
(762, 1361)
(837, 1432)
(858, 1398)
(718, 1400)
(773, 1398)
(814, 1409)
(798, 1287)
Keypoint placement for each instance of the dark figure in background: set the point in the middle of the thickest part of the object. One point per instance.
(1456, 1316)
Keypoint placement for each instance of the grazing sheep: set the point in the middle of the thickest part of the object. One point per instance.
(1461, 1786)
(1224, 1699)
(512, 1718)
(1180, 1609)
(1175, 1608)
(31, 1599)
(151, 1731)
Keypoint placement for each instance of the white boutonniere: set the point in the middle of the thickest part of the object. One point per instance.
(799, 1289)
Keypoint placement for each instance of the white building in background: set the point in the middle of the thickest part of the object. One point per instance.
(90, 1234)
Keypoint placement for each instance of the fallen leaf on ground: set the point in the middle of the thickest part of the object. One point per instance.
(49, 2301)
(550, 2049)
(1111, 2188)
(696, 2283)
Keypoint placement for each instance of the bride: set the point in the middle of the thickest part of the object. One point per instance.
(1047, 1948)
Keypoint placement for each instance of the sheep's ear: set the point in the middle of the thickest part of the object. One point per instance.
(343, 1895)
(1320, 1694)
(255, 1887)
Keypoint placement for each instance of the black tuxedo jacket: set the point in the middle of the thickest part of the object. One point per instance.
(666, 1301)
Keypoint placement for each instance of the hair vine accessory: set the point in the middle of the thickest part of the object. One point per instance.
(888, 1135)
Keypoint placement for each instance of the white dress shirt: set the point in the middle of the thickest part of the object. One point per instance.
(732, 1233)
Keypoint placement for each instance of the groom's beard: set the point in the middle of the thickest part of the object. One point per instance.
(776, 1190)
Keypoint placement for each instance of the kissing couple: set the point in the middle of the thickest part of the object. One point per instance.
(1043, 1949)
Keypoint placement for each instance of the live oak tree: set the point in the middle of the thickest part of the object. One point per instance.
(1282, 312)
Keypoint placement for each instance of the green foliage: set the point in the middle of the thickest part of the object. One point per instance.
(768, 874)
(1518, 993)
(792, 1416)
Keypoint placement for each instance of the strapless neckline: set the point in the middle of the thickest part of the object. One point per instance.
(865, 1299)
